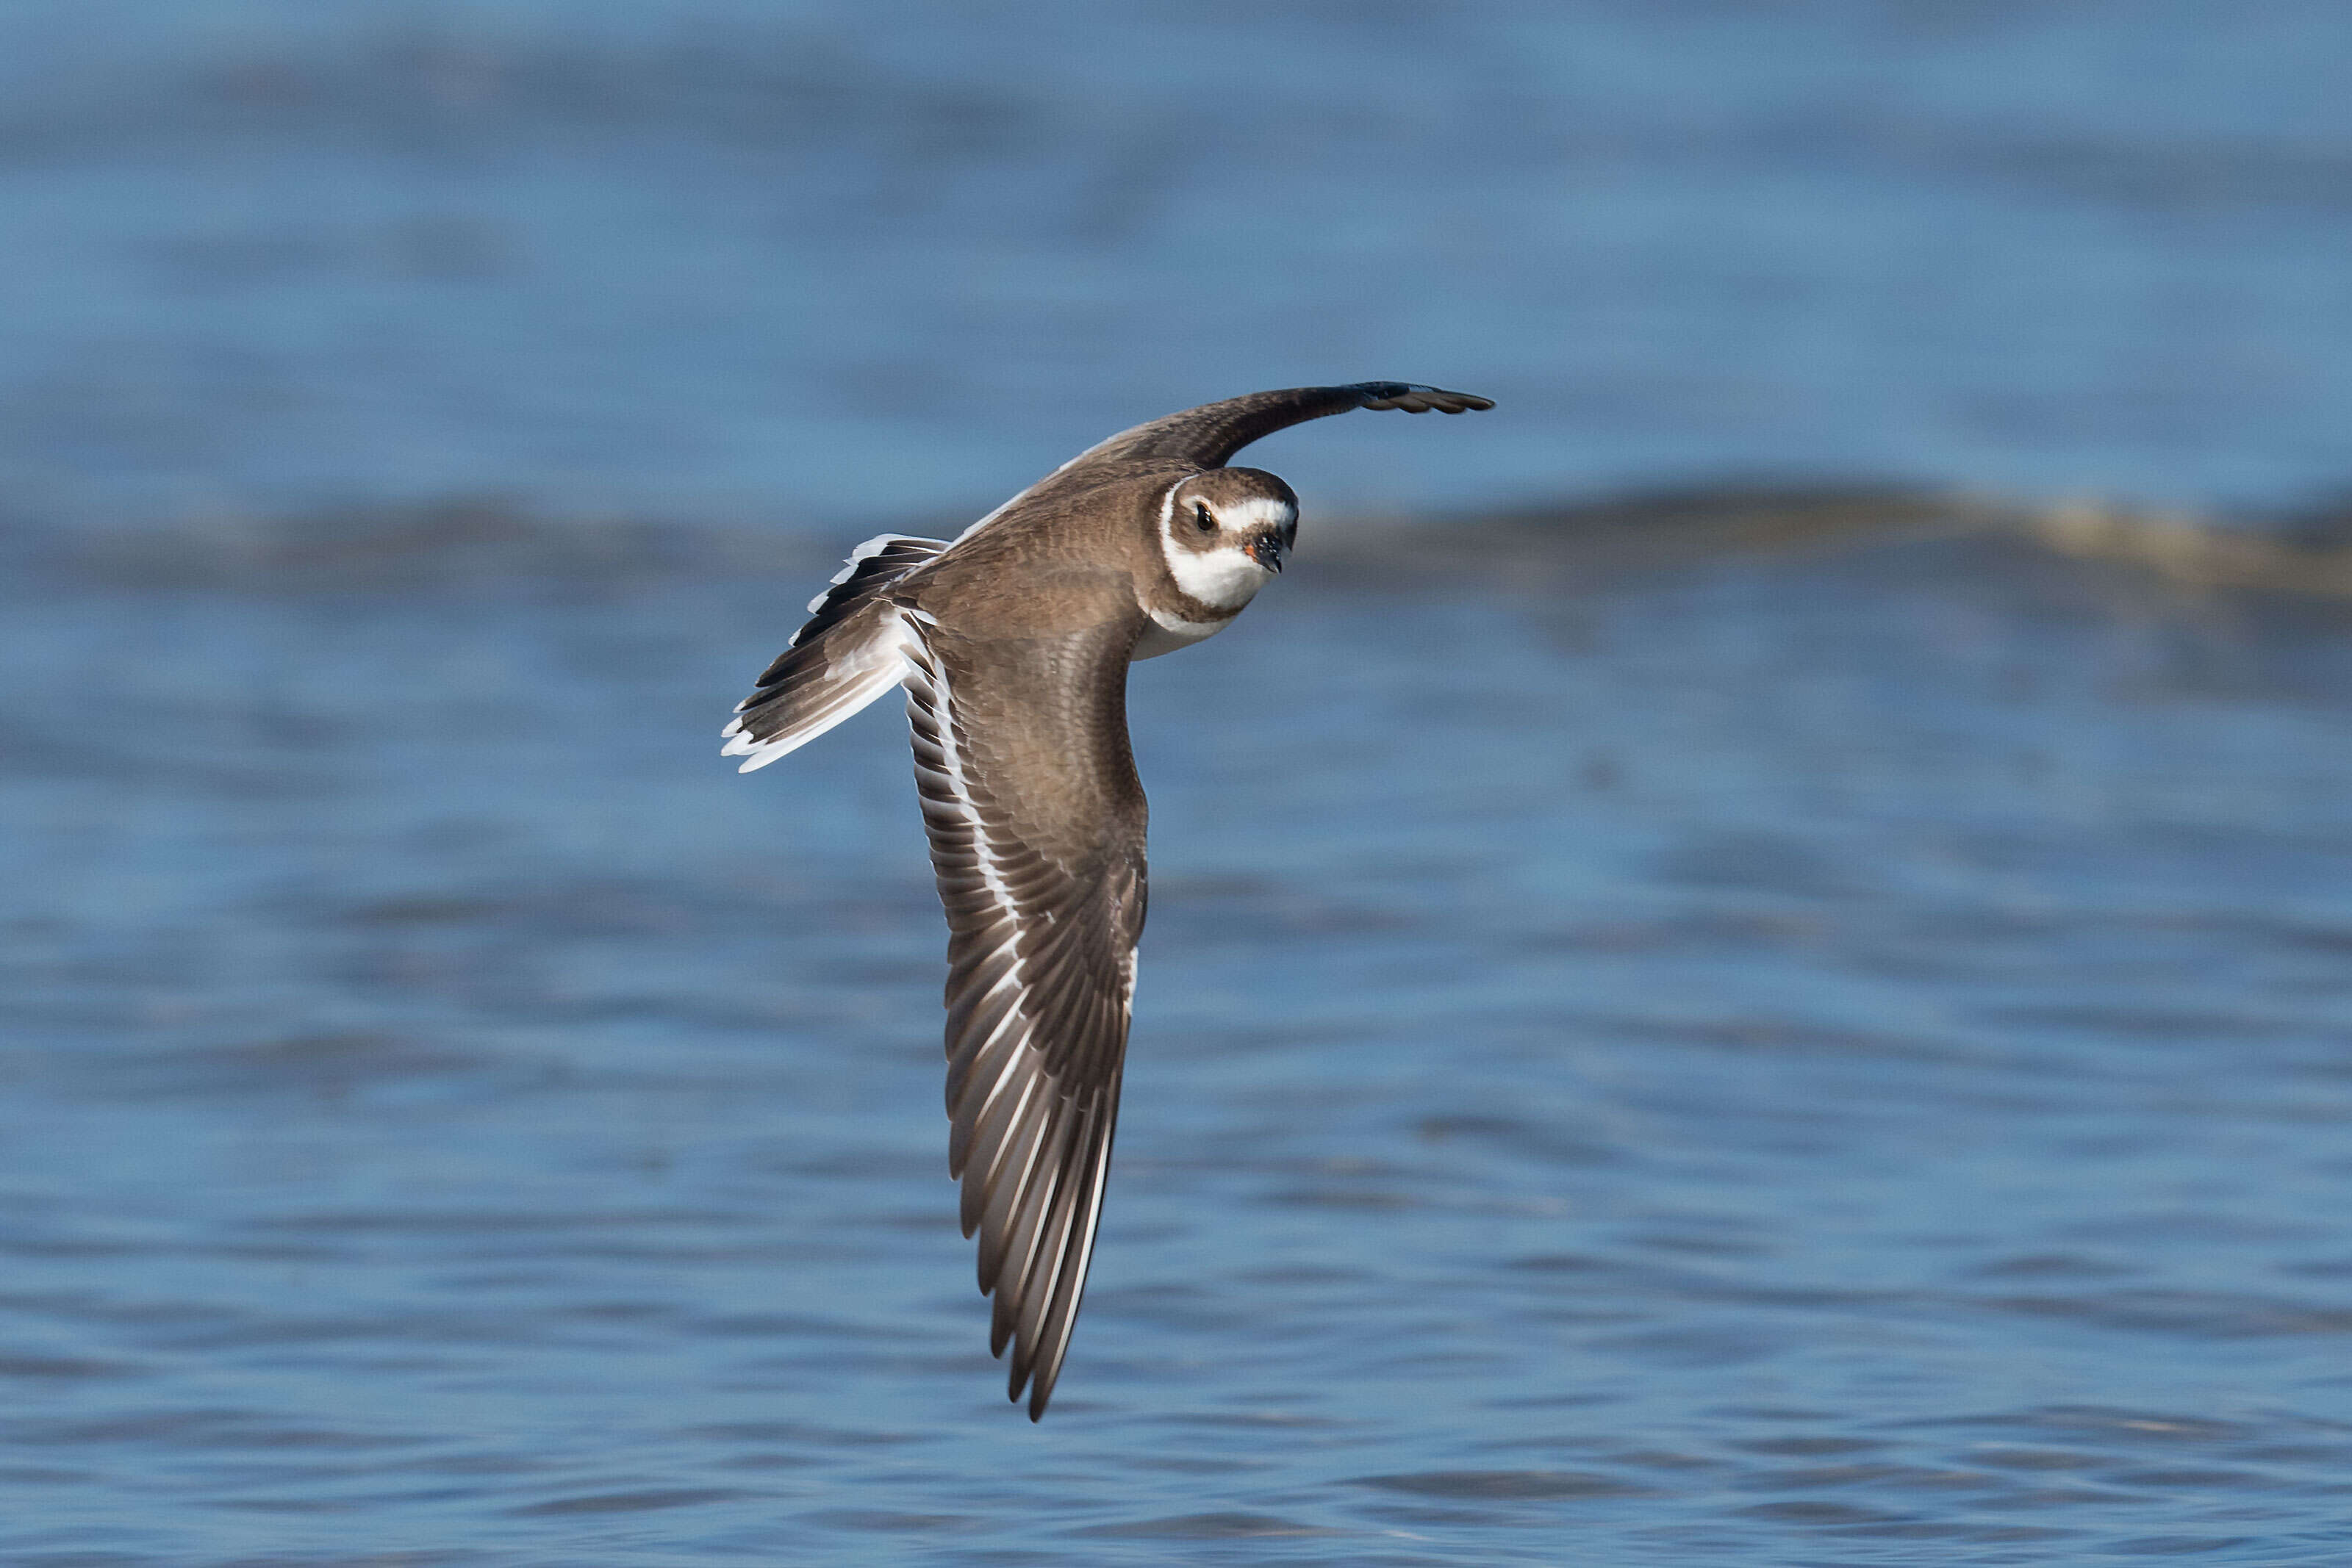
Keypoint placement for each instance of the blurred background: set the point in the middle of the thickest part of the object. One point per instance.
(1780, 993)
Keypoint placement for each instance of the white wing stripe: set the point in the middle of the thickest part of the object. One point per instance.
(941, 702)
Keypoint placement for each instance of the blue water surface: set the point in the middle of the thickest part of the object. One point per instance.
(887, 259)
(1827, 1056)
(1830, 1059)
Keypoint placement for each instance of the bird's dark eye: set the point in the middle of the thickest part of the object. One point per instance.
(1202, 519)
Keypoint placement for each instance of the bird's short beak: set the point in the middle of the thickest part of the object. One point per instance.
(1266, 550)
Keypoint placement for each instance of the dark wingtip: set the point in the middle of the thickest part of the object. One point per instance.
(1414, 399)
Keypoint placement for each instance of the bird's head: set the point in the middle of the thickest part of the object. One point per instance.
(1225, 532)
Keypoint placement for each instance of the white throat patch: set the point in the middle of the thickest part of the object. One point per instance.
(1223, 579)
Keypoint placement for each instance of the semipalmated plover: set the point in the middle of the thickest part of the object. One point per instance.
(1012, 641)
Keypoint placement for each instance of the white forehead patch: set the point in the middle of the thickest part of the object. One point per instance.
(1259, 514)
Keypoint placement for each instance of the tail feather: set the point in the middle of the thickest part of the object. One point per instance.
(852, 650)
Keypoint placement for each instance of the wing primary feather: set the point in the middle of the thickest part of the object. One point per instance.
(1007, 1065)
(1048, 1252)
(975, 1020)
(1061, 1315)
(1211, 433)
(1022, 1183)
(1003, 1134)
(981, 1052)
(1026, 1226)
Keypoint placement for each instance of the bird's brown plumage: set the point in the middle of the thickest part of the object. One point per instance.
(1012, 644)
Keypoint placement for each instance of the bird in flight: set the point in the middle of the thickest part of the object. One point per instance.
(1013, 642)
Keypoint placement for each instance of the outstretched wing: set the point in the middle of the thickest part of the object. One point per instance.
(1211, 434)
(1036, 823)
